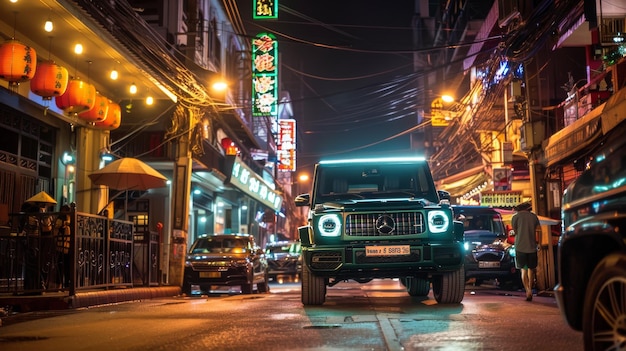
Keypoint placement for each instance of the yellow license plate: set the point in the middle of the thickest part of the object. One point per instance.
(210, 275)
(388, 250)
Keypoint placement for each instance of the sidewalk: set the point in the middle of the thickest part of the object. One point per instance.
(62, 300)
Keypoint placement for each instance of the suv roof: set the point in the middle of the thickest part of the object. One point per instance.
(376, 177)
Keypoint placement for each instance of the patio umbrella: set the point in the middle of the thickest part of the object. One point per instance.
(128, 174)
(41, 199)
(508, 214)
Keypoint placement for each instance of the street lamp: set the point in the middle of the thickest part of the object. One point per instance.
(443, 109)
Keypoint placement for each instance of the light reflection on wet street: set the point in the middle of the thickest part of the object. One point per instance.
(375, 316)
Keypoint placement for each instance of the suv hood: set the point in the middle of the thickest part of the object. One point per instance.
(375, 204)
(482, 237)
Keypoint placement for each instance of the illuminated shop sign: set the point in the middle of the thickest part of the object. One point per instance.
(501, 198)
(286, 145)
(265, 9)
(246, 180)
(264, 75)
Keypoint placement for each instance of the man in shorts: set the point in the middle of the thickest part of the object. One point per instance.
(525, 225)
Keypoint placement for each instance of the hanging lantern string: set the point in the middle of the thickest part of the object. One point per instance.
(89, 62)
(75, 65)
(14, 23)
(50, 49)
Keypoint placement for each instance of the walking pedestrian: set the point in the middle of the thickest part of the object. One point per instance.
(525, 225)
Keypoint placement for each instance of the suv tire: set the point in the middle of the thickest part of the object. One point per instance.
(313, 288)
(264, 286)
(450, 286)
(417, 286)
(602, 318)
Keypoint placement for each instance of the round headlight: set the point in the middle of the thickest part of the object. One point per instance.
(438, 221)
(329, 225)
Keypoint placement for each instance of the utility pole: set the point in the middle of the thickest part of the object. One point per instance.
(533, 134)
(184, 119)
(180, 197)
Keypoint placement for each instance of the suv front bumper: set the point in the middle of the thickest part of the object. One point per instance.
(353, 261)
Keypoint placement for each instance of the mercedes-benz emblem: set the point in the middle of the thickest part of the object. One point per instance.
(385, 224)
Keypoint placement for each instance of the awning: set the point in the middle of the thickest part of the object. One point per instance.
(231, 121)
(614, 111)
(574, 137)
(508, 214)
(461, 183)
(580, 134)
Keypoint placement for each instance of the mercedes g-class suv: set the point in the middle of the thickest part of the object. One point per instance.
(591, 293)
(380, 218)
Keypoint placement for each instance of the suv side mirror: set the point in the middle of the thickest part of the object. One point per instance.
(443, 195)
(303, 200)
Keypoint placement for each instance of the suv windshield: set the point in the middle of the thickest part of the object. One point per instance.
(374, 181)
(221, 245)
(482, 224)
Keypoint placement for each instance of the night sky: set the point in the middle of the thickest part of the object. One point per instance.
(346, 65)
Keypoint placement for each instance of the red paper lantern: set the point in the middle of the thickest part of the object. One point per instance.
(78, 97)
(113, 118)
(99, 111)
(229, 147)
(50, 80)
(17, 62)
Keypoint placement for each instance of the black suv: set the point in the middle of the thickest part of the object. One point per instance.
(488, 254)
(591, 292)
(380, 218)
(225, 260)
(282, 257)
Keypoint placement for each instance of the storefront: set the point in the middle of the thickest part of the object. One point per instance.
(238, 200)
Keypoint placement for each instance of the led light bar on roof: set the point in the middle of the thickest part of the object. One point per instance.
(374, 160)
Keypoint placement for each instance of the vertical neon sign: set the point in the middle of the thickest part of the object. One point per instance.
(286, 145)
(265, 9)
(264, 75)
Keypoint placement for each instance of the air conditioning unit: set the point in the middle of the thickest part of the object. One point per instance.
(533, 134)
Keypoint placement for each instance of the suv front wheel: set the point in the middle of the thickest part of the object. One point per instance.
(416, 286)
(313, 288)
(450, 286)
(604, 309)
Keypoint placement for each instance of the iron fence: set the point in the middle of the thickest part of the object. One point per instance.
(95, 252)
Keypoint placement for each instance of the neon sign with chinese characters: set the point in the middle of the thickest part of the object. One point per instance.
(264, 75)
(265, 9)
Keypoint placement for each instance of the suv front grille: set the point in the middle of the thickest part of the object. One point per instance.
(405, 223)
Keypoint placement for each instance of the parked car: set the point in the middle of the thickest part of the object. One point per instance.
(488, 254)
(591, 292)
(282, 257)
(225, 260)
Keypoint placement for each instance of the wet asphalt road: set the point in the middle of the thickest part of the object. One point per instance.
(374, 316)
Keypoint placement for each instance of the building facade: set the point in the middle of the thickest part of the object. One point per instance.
(201, 139)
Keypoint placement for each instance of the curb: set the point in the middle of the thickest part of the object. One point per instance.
(94, 298)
